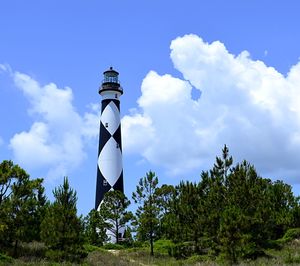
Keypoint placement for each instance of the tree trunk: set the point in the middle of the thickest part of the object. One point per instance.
(16, 248)
(151, 239)
(151, 244)
(117, 232)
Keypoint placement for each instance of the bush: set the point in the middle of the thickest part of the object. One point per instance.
(113, 246)
(291, 234)
(61, 255)
(163, 246)
(90, 248)
(181, 250)
(273, 244)
(198, 258)
(5, 259)
(32, 249)
(103, 257)
(291, 258)
(55, 255)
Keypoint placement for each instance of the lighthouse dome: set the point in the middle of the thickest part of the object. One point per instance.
(110, 81)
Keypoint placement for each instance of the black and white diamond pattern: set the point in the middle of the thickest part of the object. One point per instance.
(110, 168)
(110, 117)
(110, 161)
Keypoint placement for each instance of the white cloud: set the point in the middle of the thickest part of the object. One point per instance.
(56, 139)
(251, 107)
(4, 68)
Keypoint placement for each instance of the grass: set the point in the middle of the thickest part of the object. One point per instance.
(32, 254)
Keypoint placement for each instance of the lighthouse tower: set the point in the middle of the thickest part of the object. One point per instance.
(110, 167)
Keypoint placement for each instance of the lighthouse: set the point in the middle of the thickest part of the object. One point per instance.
(109, 165)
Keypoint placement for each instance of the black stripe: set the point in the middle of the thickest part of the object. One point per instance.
(119, 184)
(100, 188)
(104, 137)
(117, 137)
(104, 103)
(117, 103)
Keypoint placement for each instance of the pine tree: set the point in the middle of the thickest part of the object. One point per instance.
(114, 212)
(61, 229)
(283, 205)
(148, 209)
(22, 202)
(212, 187)
(95, 228)
(166, 201)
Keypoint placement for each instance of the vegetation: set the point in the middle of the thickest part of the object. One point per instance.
(148, 211)
(95, 228)
(61, 229)
(231, 216)
(22, 205)
(114, 212)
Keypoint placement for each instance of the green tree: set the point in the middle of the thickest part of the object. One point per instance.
(283, 204)
(61, 229)
(212, 187)
(256, 210)
(27, 206)
(95, 228)
(22, 203)
(113, 209)
(166, 195)
(248, 195)
(191, 213)
(148, 209)
(296, 212)
(232, 238)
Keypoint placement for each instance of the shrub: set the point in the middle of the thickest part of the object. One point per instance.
(181, 250)
(102, 257)
(163, 246)
(113, 246)
(32, 249)
(55, 255)
(291, 234)
(90, 248)
(61, 255)
(5, 259)
(198, 258)
(291, 258)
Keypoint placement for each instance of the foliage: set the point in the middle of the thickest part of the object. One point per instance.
(22, 205)
(182, 250)
(104, 257)
(95, 228)
(232, 215)
(163, 246)
(113, 210)
(90, 248)
(113, 246)
(148, 208)
(232, 212)
(5, 258)
(291, 234)
(61, 229)
(166, 195)
(195, 259)
(32, 249)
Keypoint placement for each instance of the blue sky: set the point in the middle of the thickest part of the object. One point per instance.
(196, 75)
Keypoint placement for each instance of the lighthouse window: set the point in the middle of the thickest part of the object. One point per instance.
(116, 96)
(104, 183)
(118, 146)
(106, 124)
